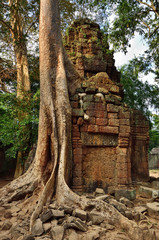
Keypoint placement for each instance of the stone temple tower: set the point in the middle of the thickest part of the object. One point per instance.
(110, 140)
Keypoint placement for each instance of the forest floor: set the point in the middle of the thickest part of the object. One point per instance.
(14, 219)
(6, 179)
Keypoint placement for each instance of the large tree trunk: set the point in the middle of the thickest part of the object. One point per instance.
(23, 81)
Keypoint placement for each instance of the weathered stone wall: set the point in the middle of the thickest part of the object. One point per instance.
(110, 141)
(139, 146)
(88, 52)
(154, 159)
(109, 144)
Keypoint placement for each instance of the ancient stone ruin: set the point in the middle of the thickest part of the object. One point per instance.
(154, 158)
(110, 140)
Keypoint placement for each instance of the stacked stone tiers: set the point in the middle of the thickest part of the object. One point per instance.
(106, 137)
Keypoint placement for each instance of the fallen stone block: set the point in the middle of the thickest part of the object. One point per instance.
(57, 232)
(76, 224)
(126, 202)
(57, 213)
(47, 227)
(127, 193)
(99, 191)
(129, 215)
(68, 210)
(45, 216)
(119, 206)
(140, 209)
(37, 229)
(95, 218)
(146, 192)
(80, 214)
(153, 210)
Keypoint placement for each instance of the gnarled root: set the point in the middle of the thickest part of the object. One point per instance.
(20, 187)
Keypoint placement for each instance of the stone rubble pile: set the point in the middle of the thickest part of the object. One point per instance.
(68, 223)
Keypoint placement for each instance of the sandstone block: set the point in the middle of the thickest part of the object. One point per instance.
(68, 210)
(114, 89)
(92, 120)
(88, 98)
(37, 229)
(57, 213)
(124, 122)
(102, 90)
(124, 129)
(98, 99)
(57, 232)
(129, 194)
(109, 99)
(140, 209)
(101, 121)
(100, 107)
(75, 128)
(99, 191)
(79, 90)
(90, 90)
(77, 112)
(108, 129)
(76, 224)
(74, 97)
(129, 215)
(80, 121)
(74, 104)
(80, 214)
(119, 206)
(153, 210)
(100, 114)
(124, 114)
(93, 128)
(47, 227)
(113, 122)
(112, 108)
(76, 135)
(126, 202)
(95, 218)
(84, 128)
(113, 115)
(146, 191)
(45, 216)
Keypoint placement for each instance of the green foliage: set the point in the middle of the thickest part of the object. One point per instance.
(18, 122)
(122, 19)
(137, 94)
(154, 132)
(141, 96)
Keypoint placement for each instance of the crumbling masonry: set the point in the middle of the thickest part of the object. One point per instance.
(110, 140)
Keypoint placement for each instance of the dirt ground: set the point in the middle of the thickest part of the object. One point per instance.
(5, 180)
